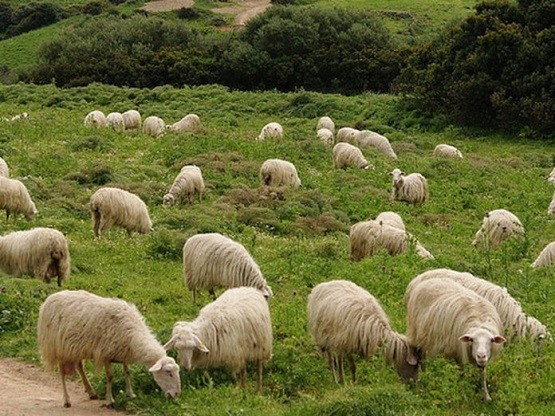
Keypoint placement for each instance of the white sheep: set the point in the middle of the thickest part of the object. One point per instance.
(271, 131)
(188, 124)
(345, 155)
(189, 182)
(551, 177)
(366, 238)
(551, 208)
(391, 218)
(154, 126)
(116, 207)
(546, 257)
(230, 332)
(446, 150)
(115, 121)
(76, 325)
(411, 188)
(346, 134)
(497, 226)
(95, 119)
(4, 169)
(515, 322)
(367, 138)
(15, 198)
(18, 117)
(277, 172)
(445, 318)
(40, 252)
(131, 119)
(326, 123)
(344, 320)
(325, 136)
(212, 260)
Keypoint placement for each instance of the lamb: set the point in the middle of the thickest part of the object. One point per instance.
(345, 155)
(230, 332)
(188, 183)
(546, 257)
(277, 172)
(40, 252)
(446, 150)
(344, 320)
(95, 119)
(326, 123)
(132, 119)
(188, 124)
(271, 131)
(515, 322)
(116, 207)
(213, 260)
(551, 208)
(347, 134)
(411, 188)
(367, 138)
(391, 218)
(154, 126)
(115, 120)
(77, 325)
(325, 136)
(445, 318)
(367, 237)
(497, 226)
(4, 169)
(15, 199)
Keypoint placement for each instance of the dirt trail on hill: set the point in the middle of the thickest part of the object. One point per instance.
(166, 5)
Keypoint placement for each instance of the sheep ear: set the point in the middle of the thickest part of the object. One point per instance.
(498, 339)
(390, 173)
(169, 345)
(199, 344)
(465, 338)
(412, 360)
(156, 367)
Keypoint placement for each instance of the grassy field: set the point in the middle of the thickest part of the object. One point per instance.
(298, 237)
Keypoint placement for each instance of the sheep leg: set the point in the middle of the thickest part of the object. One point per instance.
(353, 367)
(109, 378)
(340, 369)
(484, 383)
(128, 386)
(96, 223)
(213, 293)
(88, 388)
(259, 376)
(67, 403)
(243, 376)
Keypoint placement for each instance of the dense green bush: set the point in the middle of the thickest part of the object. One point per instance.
(33, 16)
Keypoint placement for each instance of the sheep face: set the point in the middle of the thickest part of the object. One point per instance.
(185, 342)
(397, 178)
(168, 199)
(166, 374)
(408, 368)
(481, 342)
(31, 212)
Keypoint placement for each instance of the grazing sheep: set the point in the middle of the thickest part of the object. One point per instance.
(115, 120)
(95, 119)
(4, 169)
(277, 172)
(345, 155)
(391, 218)
(132, 119)
(445, 318)
(17, 117)
(154, 126)
(213, 260)
(515, 322)
(497, 226)
(188, 183)
(367, 237)
(40, 252)
(326, 123)
(347, 134)
(76, 325)
(546, 257)
(551, 208)
(412, 188)
(367, 138)
(116, 207)
(230, 332)
(271, 131)
(446, 150)
(325, 136)
(188, 124)
(344, 319)
(15, 198)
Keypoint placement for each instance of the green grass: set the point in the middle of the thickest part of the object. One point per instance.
(299, 239)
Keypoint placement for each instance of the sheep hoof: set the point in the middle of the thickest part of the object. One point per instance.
(93, 397)
(67, 404)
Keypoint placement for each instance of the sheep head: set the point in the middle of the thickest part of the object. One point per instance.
(166, 374)
(397, 177)
(481, 341)
(185, 341)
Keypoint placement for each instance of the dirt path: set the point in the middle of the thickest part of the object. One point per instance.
(166, 5)
(28, 391)
(244, 10)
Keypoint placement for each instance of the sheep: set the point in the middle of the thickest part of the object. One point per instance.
(153, 126)
(188, 183)
(40, 252)
(116, 207)
(546, 257)
(515, 322)
(345, 155)
(230, 332)
(271, 131)
(445, 150)
(4, 169)
(115, 120)
(346, 134)
(75, 325)
(411, 188)
(391, 218)
(445, 318)
(326, 123)
(551, 177)
(189, 123)
(15, 199)
(131, 119)
(277, 172)
(551, 208)
(325, 136)
(367, 138)
(95, 119)
(212, 260)
(17, 117)
(344, 319)
(367, 237)
(497, 226)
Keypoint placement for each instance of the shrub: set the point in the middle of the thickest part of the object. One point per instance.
(33, 16)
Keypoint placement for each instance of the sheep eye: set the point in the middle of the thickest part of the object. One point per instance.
(170, 373)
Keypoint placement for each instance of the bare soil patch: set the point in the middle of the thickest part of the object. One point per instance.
(166, 5)
(244, 10)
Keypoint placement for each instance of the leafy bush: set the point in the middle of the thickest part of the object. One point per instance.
(33, 16)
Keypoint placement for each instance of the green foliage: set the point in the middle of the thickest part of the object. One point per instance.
(30, 16)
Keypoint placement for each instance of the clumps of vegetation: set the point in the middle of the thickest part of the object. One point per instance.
(166, 244)
(98, 175)
(17, 20)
